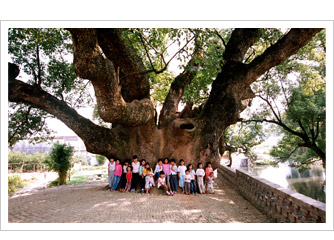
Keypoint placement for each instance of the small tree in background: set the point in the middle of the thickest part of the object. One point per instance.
(59, 160)
(100, 159)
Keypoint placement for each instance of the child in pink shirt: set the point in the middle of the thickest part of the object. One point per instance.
(128, 179)
(166, 170)
(118, 174)
(208, 171)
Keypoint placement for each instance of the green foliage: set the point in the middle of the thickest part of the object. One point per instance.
(158, 46)
(245, 136)
(294, 93)
(294, 90)
(14, 183)
(44, 56)
(307, 111)
(100, 159)
(25, 121)
(16, 159)
(59, 160)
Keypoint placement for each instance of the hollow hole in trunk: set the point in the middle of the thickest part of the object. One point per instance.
(187, 126)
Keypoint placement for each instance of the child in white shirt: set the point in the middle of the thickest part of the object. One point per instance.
(162, 184)
(158, 169)
(173, 176)
(200, 175)
(187, 180)
(181, 172)
(193, 188)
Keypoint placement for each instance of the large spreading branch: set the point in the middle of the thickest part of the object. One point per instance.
(90, 133)
(232, 85)
(224, 103)
(308, 142)
(295, 39)
(231, 88)
(133, 79)
(90, 64)
(170, 107)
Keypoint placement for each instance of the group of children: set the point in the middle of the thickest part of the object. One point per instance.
(165, 176)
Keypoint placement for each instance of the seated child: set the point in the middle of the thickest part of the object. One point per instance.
(209, 183)
(149, 181)
(162, 184)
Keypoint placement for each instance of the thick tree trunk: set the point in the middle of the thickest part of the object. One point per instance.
(62, 177)
(194, 139)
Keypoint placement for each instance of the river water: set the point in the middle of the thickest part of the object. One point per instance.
(311, 182)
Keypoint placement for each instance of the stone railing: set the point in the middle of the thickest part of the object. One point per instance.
(279, 204)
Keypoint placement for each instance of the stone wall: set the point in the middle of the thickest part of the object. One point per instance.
(279, 204)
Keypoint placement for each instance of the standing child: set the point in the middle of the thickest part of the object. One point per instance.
(187, 180)
(173, 176)
(208, 170)
(149, 181)
(181, 172)
(111, 171)
(158, 169)
(200, 175)
(209, 183)
(141, 176)
(135, 173)
(128, 179)
(166, 170)
(118, 173)
(162, 184)
(193, 188)
(122, 182)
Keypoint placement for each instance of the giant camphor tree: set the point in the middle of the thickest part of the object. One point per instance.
(127, 67)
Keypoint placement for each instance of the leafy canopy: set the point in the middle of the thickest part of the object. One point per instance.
(294, 94)
(45, 59)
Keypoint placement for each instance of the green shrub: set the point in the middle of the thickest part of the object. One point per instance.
(14, 183)
(101, 159)
(59, 160)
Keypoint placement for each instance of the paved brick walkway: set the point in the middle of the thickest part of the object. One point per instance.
(90, 202)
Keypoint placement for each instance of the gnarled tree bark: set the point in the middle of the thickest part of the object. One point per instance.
(122, 93)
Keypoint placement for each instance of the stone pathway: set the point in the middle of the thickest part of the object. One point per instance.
(40, 183)
(91, 203)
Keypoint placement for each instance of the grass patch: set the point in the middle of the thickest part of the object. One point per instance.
(76, 179)
(83, 178)
(15, 182)
(79, 179)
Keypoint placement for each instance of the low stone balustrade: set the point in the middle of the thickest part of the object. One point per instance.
(279, 204)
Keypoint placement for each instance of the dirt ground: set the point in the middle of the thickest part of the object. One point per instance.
(91, 203)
